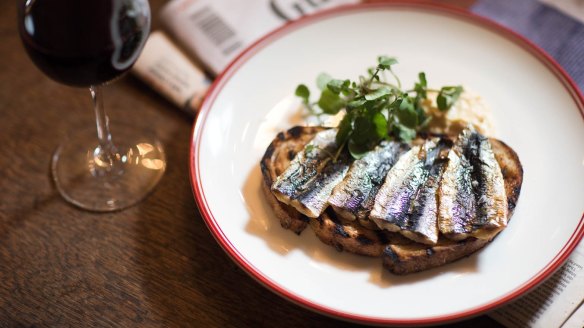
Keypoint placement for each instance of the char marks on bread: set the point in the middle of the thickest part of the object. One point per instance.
(358, 235)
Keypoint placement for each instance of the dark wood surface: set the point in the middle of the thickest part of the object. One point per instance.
(155, 264)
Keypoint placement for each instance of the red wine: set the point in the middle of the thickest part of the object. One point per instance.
(83, 42)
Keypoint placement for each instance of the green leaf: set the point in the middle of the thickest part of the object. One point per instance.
(364, 135)
(357, 150)
(423, 118)
(421, 86)
(406, 113)
(445, 103)
(380, 124)
(448, 96)
(322, 80)
(303, 92)
(345, 129)
(336, 86)
(442, 102)
(363, 131)
(404, 133)
(422, 77)
(385, 62)
(394, 105)
(356, 103)
(330, 102)
(377, 93)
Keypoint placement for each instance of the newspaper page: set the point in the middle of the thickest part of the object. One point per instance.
(217, 31)
(577, 319)
(555, 303)
(164, 67)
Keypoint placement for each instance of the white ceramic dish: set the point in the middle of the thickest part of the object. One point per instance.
(538, 112)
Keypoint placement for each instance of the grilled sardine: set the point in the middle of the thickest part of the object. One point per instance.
(406, 201)
(354, 197)
(400, 255)
(309, 180)
(472, 193)
(423, 221)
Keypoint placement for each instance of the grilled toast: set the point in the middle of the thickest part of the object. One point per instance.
(400, 255)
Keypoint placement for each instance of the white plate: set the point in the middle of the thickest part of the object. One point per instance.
(538, 112)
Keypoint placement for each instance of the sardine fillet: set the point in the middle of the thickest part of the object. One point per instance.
(472, 196)
(407, 201)
(313, 173)
(423, 221)
(354, 197)
(392, 202)
(275, 161)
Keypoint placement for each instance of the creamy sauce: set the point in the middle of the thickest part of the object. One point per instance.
(468, 109)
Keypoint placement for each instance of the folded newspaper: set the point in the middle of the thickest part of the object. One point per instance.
(214, 32)
(217, 31)
(558, 302)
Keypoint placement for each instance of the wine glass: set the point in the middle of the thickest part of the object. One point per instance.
(87, 44)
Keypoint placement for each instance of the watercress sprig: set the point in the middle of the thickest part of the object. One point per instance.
(375, 109)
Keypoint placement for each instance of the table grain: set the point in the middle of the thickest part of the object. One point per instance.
(155, 264)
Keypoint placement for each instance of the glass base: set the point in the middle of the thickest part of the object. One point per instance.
(87, 179)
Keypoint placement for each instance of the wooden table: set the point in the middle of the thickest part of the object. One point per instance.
(155, 264)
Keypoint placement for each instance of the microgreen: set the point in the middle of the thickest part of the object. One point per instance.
(375, 109)
(448, 96)
(303, 92)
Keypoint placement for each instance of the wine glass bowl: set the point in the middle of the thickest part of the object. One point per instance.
(89, 44)
(83, 43)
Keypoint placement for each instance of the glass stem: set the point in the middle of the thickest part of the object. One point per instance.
(105, 155)
(103, 133)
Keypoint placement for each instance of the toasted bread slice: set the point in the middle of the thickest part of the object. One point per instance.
(275, 160)
(404, 259)
(400, 255)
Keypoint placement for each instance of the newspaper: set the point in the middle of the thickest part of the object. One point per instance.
(164, 67)
(558, 302)
(215, 32)
(576, 320)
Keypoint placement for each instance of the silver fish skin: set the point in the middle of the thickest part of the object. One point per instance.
(407, 202)
(472, 196)
(354, 197)
(309, 180)
(393, 202)
(422, 222)
(457, 203)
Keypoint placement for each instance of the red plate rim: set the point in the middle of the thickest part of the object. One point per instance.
(255, 273)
